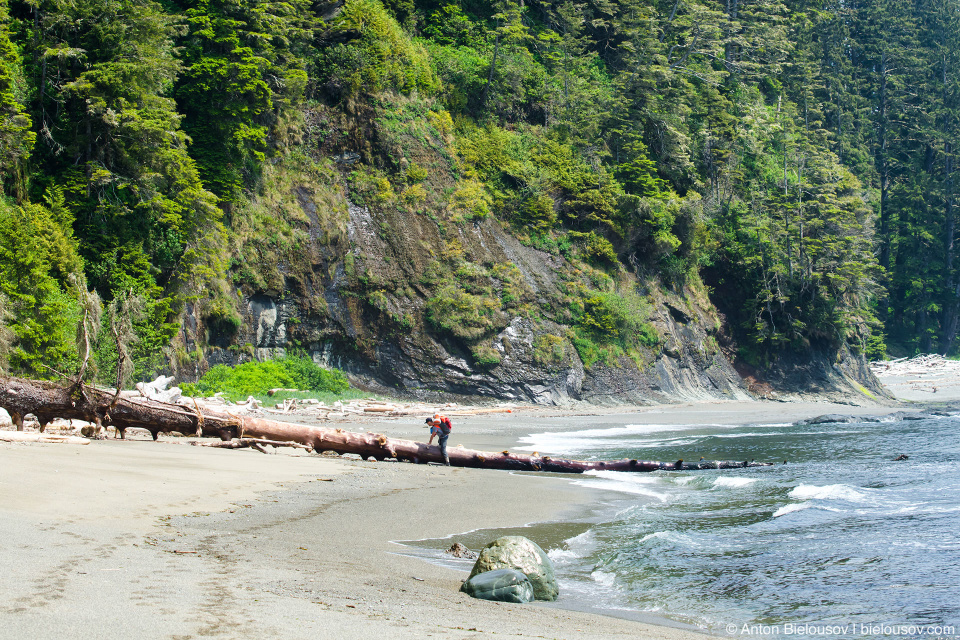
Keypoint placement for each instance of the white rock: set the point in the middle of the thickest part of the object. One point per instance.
(5, 420)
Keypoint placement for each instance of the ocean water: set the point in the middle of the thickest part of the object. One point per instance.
(841, 539)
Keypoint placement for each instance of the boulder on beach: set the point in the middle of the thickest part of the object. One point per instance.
(458, 550)
(830, 418)
(517, 552)
(502, 585)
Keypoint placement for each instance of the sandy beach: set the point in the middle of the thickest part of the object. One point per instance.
(165, 540)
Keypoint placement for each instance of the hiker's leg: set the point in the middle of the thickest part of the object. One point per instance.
(443, 450)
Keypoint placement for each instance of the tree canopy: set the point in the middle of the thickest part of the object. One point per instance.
(793, 158)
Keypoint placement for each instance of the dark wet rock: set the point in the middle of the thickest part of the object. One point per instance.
(524, 555)
(458, 550)
(502, 585)
(903, 415)
(829, 418)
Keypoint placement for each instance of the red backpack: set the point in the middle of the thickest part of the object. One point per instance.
(445, 425)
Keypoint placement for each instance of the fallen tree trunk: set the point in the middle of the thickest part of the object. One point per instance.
(48, 401)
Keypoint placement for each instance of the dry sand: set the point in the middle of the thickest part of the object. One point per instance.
(162, 540)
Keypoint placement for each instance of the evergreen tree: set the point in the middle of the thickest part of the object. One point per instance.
(16, 138)
(243, 66)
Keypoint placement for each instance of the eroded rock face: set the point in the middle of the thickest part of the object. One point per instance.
(502, 585)
(524, 555)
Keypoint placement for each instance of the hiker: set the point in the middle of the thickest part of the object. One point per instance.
(440, 427)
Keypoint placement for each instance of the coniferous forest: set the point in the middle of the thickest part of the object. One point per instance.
(792, 160)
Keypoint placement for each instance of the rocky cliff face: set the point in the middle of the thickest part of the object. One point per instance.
(385, 342)
(407, 291)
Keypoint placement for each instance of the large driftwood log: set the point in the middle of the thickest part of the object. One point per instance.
(47, 401)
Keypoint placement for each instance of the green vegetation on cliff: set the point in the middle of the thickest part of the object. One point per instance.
(791, 159)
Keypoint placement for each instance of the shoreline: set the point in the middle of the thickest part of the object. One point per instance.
(311, 556)
(198, 541)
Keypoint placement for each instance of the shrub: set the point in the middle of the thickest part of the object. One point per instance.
(312, 377)
(471, 201)
(380, 57)
(538, 213)
(414, 194)
(514, 291)
(596, 248)
(369, 188)
(463, 314)
(442, 122)
(876, 348)
(256, 378)
(486, 356)
(586, 349)
(416, 174)
(622, 319)
(549, 350)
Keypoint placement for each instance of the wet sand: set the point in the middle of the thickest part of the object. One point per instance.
(164, 540)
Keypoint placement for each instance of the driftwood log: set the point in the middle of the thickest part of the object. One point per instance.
(47, 401)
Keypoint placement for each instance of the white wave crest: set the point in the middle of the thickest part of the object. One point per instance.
(672, 537)
(828, 492)
(734, 483)
(791, 508)
(561, 556)
(565, 442)
(578, 546)
(604, 578)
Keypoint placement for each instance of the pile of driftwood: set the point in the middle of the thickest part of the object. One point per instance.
(918, 365)
(311, 407)
(927, 373)
(47, 401)
(350, 409)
